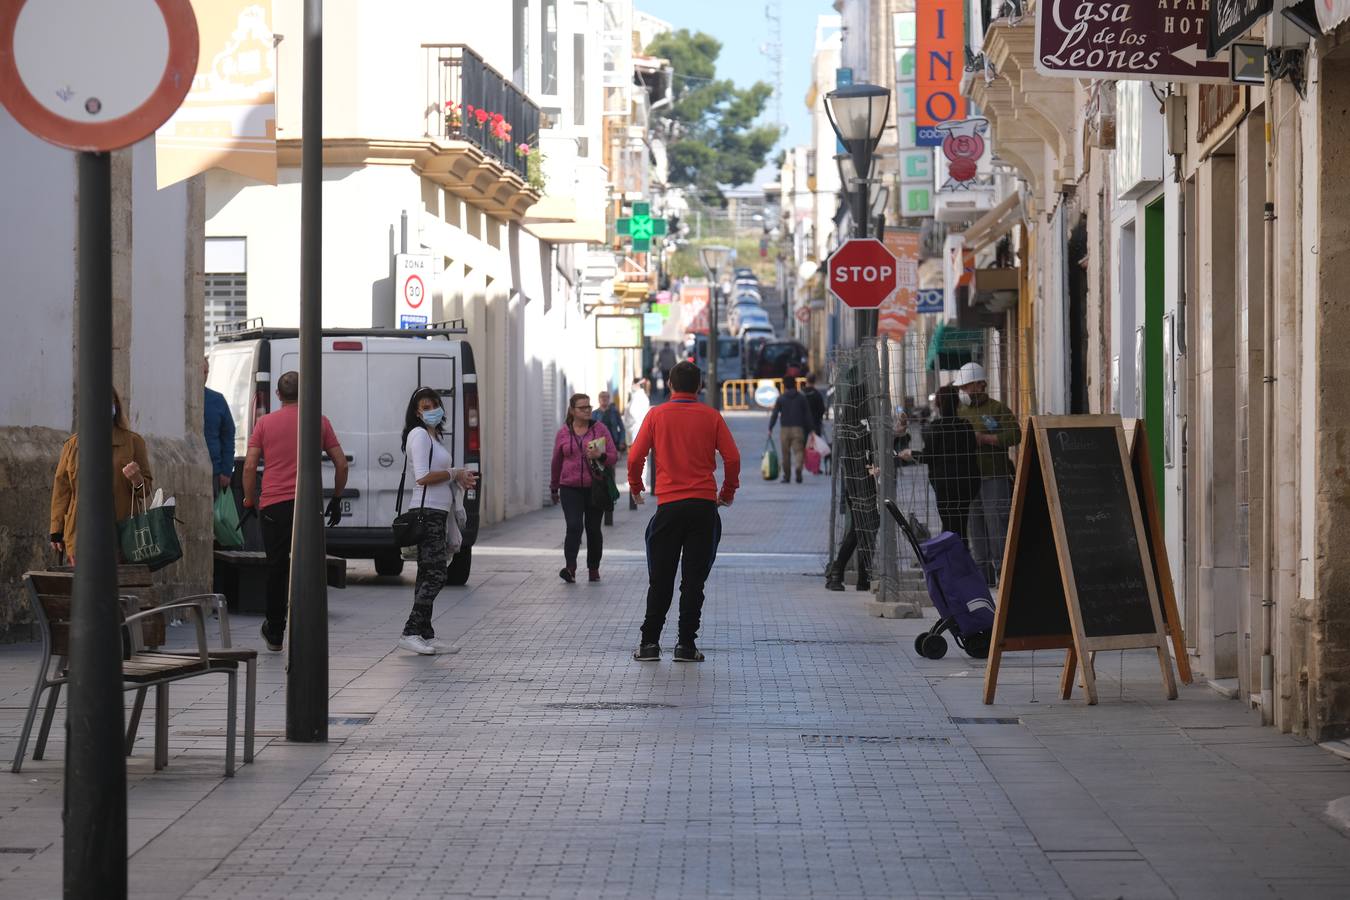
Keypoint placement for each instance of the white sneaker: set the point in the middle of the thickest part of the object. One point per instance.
(417, 644)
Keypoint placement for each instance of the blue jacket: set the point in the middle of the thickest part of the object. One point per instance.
(219, 430)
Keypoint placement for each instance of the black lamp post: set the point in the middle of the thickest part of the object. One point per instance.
(715, 259)
(858, 114)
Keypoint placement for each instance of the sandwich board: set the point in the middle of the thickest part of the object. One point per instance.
(1078, 567)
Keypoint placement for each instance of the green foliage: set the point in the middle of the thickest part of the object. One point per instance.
(710, 128)
(534, 172)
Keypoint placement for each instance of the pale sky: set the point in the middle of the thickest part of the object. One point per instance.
(743, 29)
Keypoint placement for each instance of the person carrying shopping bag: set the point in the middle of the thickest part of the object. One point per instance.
(131, 478)
(435, 506)
(581, 447)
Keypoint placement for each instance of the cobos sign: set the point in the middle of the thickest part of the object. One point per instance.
(1143, 40)
(940, 42)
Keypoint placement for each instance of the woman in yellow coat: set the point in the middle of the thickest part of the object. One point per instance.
(131, 473)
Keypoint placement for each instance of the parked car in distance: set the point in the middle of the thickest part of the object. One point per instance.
(728, 356)
(746, 273)
(743, 312)
(752, 319)
(777, 356)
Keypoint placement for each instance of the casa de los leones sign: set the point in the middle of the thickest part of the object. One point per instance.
(1142, 40)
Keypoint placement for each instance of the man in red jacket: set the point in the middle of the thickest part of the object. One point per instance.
(686, 436)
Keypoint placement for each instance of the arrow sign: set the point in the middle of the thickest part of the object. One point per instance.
(1191, 55)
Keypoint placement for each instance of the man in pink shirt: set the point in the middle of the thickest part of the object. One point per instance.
(275, 440)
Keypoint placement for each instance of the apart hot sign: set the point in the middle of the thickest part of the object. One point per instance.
(1132, 40)
(863, 273)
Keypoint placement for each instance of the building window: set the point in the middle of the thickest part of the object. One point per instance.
(548, 48)
(578, 79)
(226, 301)
(226, 266)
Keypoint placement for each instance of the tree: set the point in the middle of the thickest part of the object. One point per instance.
(710, 131)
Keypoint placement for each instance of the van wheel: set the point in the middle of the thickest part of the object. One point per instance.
(457, 573)
(389, 563)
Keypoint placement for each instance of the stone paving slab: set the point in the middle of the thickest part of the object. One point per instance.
(812, 755)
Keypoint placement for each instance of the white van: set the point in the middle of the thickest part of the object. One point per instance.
(368, 376)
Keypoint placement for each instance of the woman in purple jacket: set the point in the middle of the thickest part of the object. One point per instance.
(574, 450)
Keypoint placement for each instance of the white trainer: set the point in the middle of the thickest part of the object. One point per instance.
(417, 644)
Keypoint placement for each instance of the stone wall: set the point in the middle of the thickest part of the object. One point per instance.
(28, 459)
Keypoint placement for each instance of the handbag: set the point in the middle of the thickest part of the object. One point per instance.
(603, 489)
(410, 528)
(768, 464)
(147, 537)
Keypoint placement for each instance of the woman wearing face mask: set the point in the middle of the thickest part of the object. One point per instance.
(131, 474)
(434, 475)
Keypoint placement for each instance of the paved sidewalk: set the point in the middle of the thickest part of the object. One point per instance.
(813, 754)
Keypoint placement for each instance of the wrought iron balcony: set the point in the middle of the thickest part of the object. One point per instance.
(468, 100)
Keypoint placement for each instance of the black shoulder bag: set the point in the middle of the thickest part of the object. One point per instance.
(410, 528)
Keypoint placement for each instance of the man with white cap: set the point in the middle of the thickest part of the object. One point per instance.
(996, 430)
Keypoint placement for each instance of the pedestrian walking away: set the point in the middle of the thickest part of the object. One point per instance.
(131, 477)
(218, 429)
(582, 452)
(607, 414)
(816, 401)
(274, 442)
(950, 453)
(798, 420)
(686, 437)
(437, 504)
(639, 404)
(996, 430)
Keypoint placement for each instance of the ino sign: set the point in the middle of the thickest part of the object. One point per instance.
(412, 294)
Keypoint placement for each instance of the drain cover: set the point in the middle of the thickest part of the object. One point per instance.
(617, 705)
(848, 740)
(783, 642)
(28, 851)
(360, 719)
(985, 720)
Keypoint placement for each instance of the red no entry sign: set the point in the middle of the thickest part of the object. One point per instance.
(863, 273)
(95, 76)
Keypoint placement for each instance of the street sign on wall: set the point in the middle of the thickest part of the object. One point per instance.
(1139, 40)
(863, 273)
(412, 290)
(618, 332)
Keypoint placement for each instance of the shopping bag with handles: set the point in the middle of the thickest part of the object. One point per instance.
(768, 465)
(147, 537)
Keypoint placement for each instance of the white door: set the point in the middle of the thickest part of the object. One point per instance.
(344, 403)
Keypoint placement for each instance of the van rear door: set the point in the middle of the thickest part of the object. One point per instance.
(396, 367)
(345, 379)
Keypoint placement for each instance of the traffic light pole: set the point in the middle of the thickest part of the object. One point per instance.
(714, 349)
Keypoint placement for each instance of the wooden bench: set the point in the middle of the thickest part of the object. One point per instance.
(241, 576)
(137, 582)
(51, 594)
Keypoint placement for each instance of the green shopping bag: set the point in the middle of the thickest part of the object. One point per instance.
(147, 537)
(225, 518)
(768, 465)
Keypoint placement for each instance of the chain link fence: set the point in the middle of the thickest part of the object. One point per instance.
(901, 428)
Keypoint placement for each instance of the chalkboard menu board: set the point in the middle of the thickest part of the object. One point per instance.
(1078, 570)
(1099, 524)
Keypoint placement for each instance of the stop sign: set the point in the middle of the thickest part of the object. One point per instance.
(863, 273)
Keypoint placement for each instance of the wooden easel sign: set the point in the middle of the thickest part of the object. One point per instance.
(1078, 572)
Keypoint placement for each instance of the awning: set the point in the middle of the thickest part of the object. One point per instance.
(952, 348)
(555, 219)
(994, 224)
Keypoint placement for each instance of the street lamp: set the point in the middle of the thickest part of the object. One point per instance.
(715, 259)
(858, 113)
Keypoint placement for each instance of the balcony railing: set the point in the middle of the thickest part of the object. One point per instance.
(460, 85)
